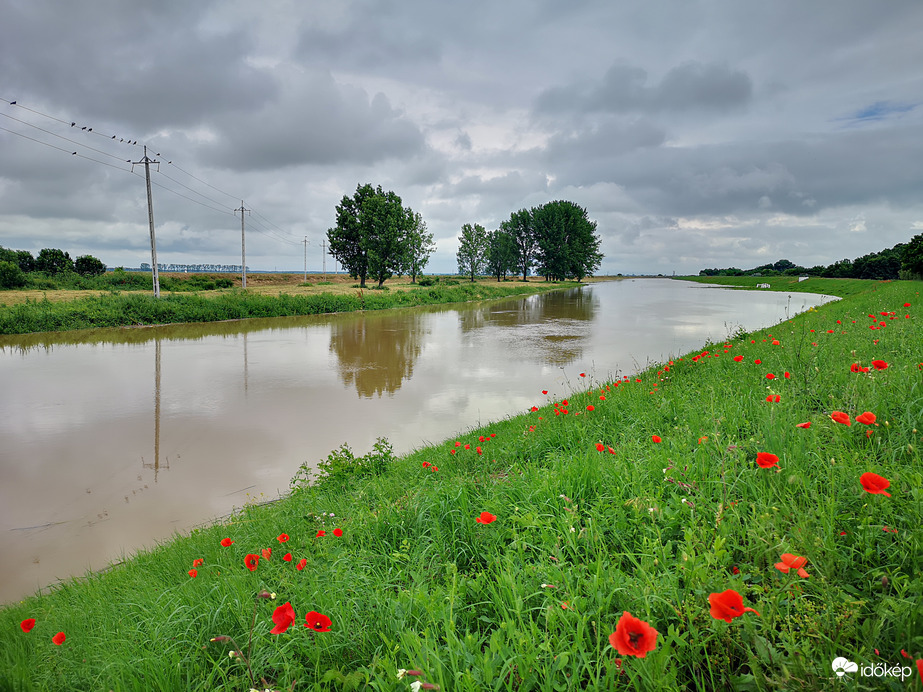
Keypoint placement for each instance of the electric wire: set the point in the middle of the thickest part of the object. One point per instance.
(279, 234)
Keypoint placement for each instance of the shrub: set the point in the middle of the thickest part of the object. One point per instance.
(87, 265)
(341, 465)
(11, 276)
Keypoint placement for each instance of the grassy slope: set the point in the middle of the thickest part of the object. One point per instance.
(528, 601)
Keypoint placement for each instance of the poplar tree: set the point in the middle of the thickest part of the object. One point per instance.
(472, 250)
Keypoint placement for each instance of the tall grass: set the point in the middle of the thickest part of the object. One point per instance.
(123, 310)
(581, 536)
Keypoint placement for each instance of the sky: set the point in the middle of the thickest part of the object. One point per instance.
(695, 133)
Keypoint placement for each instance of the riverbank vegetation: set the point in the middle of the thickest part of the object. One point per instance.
(824, 286)
(736, 518)
(903, 261)
(123, 309)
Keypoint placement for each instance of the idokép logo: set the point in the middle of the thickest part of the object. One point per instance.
(842, 666)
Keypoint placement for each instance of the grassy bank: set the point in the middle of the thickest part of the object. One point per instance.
(132, 309)
(643, 495)
(833, 287)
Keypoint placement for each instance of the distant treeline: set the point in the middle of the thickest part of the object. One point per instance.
(903, 261)
(211, 268)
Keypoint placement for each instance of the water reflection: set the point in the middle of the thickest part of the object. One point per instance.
(554, 325)
(376, 352)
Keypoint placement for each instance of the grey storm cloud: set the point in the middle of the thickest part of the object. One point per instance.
(624, 89)
(317, 121)
(697, 132)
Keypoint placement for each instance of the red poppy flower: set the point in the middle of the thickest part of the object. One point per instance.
(600, 446)
(479, 450)
(633, 637)
(611, 451)
(544, 391)
(301, 564)
(757, 361)
(874, 484)
(481, 438)
(320, 534)
(775, 342)
(793, 562)
(287, 557)
(266, 552)
(426, 464)
(656, 439)
(602, 398)
(879, 364)
(774, 398)
(59, 638)
(770, 376)
(867, 418)
(251, 561)
(198, 561)
(283, 616)
(737, 359)
(840, 417)
(193, 573)
(765, 460)
(27, 624)
(727, 605)
(467, 446)
(317, 622)
(591, 408)
(338, 532)
(906, 305)
(735, 569)
(457, 443)
(226, 542)
(282, 537)
(788, 375)
(485, 518)
(804, 425)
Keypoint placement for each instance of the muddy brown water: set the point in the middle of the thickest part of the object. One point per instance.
(113, 440)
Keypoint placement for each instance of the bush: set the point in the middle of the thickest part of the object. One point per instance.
(87, 265)
(341, 465)
(428, 281)
(11, 276)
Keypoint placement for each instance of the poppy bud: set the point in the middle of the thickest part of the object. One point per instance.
(884, 582)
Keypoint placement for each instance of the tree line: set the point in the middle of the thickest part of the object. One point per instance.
(556, 240)
(903, 261)
(15, 265)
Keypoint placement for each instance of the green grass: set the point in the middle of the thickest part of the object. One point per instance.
(834, 287)
(122, 310)
(528, 602)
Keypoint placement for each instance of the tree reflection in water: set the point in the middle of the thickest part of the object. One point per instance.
(377, 352)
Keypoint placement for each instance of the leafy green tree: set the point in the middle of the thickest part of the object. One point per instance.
(11, 276)
(87, 265)
(472, 250)
(519, 226)
(567, 242)
(419, 247)
(501, 254)
(26, 260)
(54, 261)
(7, 255)
(371, 234)
(912, 257)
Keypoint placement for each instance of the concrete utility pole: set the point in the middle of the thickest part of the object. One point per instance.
(306, 259)
(243, 247)
(150, 216)
(323, 245)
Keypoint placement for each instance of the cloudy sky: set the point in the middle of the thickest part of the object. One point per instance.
(696, 133)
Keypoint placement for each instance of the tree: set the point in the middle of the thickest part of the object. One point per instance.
(912, 257)
(26, 260)
(11, 276)
(54, 261)
(519, 226)
(371, 234)
(566, 240)
(419, 247)
(501, 254)
(472, 250)
(87, 265)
